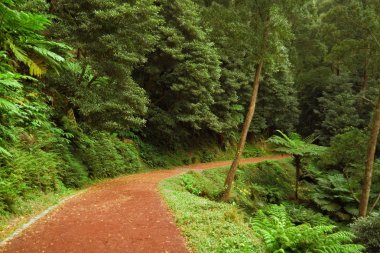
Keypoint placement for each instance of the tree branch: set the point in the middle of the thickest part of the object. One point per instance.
(368, 100)
(373, 36)
(375, 204)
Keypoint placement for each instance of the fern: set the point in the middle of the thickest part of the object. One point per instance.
(280, 235)
(21, 39)
(294, 145)
(332, 194)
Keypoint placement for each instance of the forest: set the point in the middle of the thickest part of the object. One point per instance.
(95, 89)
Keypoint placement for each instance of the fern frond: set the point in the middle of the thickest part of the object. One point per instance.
(343, 236)
(34, 68)
(282, 236)
(331, 207)
(49, 55)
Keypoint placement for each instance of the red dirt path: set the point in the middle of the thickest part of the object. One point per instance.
(120, 215)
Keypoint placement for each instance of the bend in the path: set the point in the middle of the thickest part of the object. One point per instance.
(120, 215)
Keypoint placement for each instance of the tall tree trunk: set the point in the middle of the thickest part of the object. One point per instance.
(297, 164)
(367, 180)
(247, 122)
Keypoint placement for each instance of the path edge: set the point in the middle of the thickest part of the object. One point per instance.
(36, 218)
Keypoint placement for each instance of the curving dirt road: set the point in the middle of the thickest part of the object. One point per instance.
(120, 215)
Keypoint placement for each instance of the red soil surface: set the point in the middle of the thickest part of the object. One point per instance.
(120, 215)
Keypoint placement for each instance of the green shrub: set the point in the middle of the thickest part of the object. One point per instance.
(299, 214)
(346, 150)
(28, 171)
(280, 235)
(72, 171)
(271, 182)
(207, 184)
(367, 231)
(186, 161)
(106, 156)
(42, 160)
(152, 156)
(255, 185)
(37, 168)
(190, 184)
(130, 156)
(206, 156)
(333, 195)
(338, 175)
(11, 188)
(251, 151)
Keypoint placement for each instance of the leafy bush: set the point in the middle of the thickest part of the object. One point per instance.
(207, 184)
(255, 185)
(346, 149)
(37, 169)
(186, 161)
(189, 184)
(29, 170)
(271, 182)
(106, 156)
(337, 176)
(367, 231)
(152, 156)
(206, 156)
(332, 194)
(11, 188)
(280, 235)
(251, 151)
(72, 171)
(130, 156)
(299, 214)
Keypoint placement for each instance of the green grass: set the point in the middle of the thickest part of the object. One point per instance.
(209, 226)
(26, 209)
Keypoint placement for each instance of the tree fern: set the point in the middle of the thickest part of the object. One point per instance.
(295, 145)
(298, 148)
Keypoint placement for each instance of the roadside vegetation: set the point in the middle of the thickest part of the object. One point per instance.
(262, 215)
(95, 89)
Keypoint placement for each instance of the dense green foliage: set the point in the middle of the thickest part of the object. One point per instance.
(95, 89)
(211, 226)
(336, 178)
(367, 231)
(269, 184)
(39, 154)
(280, 235)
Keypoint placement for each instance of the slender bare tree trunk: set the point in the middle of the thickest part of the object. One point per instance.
(375, 204)
(248, 119)
(367, 180)
(297, 164)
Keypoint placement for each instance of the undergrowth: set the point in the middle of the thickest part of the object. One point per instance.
(35, 204)
(209, 226)
(280, 235)
(260, 217)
